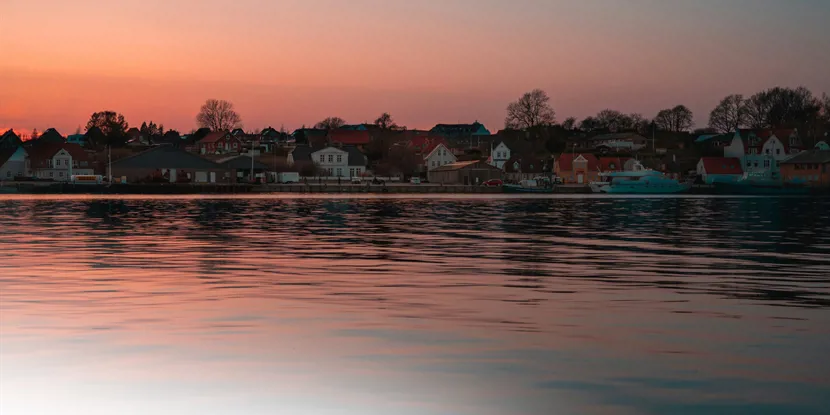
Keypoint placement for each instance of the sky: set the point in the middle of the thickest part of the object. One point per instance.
(294, 62)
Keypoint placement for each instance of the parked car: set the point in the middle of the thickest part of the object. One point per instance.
(493, 183)
(378, 181)
(558, 180)
(415, 180)
(356, 179)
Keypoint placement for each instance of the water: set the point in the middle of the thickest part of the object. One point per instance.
(568, 305)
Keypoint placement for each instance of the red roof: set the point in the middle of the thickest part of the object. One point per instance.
(213, 137)
(39, 154)
(565, 161)
(349, 137)
(612, 163)
(722, 165)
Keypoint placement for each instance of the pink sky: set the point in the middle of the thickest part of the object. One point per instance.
(294, 62)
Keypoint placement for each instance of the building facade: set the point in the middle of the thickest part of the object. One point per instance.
(499, 155)
(59, 162)
(810, 167)
(762, 151)
(439, 156)
(720, 169)
(577, 168)
(14, 163)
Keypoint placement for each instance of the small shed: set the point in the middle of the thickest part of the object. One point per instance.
(472, 172)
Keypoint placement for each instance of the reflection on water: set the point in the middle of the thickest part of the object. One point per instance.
(414, 306)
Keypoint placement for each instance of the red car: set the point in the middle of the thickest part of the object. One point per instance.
(493, 183)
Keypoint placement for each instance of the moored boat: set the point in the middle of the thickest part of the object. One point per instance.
(639, 180)
(529, 186)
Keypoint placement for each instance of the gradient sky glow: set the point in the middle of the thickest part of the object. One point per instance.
(294, 62)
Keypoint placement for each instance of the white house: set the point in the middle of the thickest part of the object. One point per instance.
(59, 162)
(761, 151)
(335, 162)
(439, 156)
(499, 155)
(14, 163)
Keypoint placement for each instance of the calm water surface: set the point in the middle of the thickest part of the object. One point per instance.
(415, 306)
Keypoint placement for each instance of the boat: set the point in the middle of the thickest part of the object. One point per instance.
(639, 180)
(529, 186)
(760, 184)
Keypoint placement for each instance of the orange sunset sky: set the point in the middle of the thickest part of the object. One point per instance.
(294, 62)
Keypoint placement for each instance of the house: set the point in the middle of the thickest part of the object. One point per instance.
(344, 162)
(357, 161)
(219, 142)
(499, 155)
(242, 165)
(461, 133)
(169, 164)
(811, 167)
(14, 162)
(79, 139)
(761, 151)
(578, 168)
(720, 169)
(822, 145)
(59, 162)
(341, 138)
(520, 168)
(473, 172)
(311, 136)
(438, 156)
(50, 136)
(608, 164)
(10, 141)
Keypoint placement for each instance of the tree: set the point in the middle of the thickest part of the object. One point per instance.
(676, 119)
(34, 134)
(218, 115)
(330, 123)
(385, 122)
(729, 115)
(569, 123)
(825, 104)
(78, 130)
(112, 125)
(782, 107)
(588, 124)
(531, 110)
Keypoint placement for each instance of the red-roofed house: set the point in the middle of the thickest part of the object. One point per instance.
(219, 142)
(59, 161)
(720, 169)
(349, 138)
(579, 168)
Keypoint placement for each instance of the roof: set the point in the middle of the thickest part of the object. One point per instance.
(432, 146)
(722, 165)
(612, 163)
(350, 137)
(165, 157)
(10, 138)
(810, 156)
(526, 164)
(213, 137)
(241, 163)
(302, 153)
(565, 161)
(43, 151)
(460, 165)
(51, 136)
(6, 154)
(356, 157)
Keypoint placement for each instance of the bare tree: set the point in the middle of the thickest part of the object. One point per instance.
(385, 122)
(531, 110)
(569, 123)
(218, 115)
(676, 119)
(729, 115)
(330, 123)
(782, 107)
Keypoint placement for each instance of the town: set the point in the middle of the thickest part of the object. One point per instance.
(787, 147)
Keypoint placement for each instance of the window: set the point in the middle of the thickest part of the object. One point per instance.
(351, 172)
(756, 164)
(235, 145)
(766, 163)
(322, 158)
(433, 163)
(748, 164)
(51, 174)
(766, 151)
(777, 151)
(75, 164)
(339, 158)
(339, 171)
(60, 174)
(331, 158)
(9, 173)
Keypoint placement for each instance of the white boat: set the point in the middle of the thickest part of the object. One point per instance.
(639, 180)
